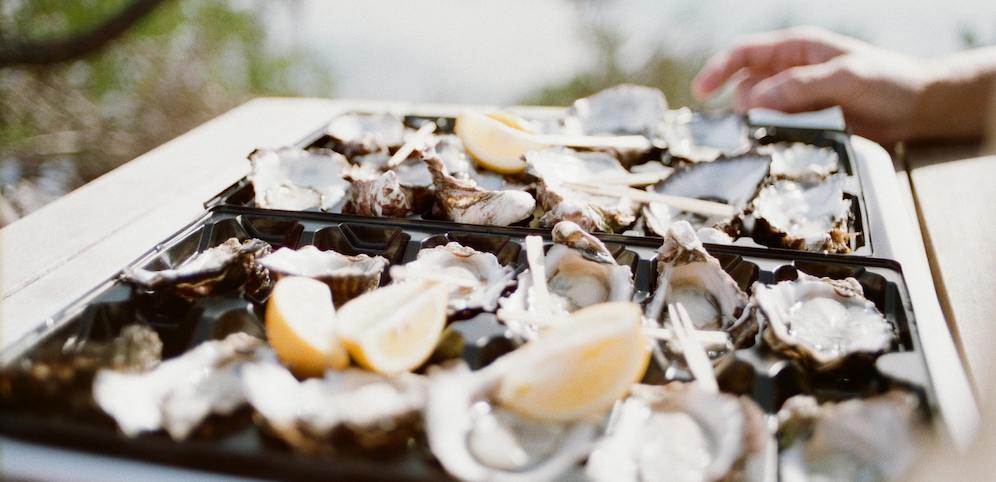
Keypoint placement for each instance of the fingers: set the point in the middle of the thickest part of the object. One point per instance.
(770, 51)
(802, 88)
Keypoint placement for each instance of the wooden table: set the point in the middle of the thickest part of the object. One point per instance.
(58, 253)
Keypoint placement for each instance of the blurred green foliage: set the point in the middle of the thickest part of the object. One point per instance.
(186, 62)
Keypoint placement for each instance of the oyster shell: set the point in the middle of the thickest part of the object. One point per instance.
(179, 393)
(228, 264)
(822, 321)
(800, 216)
(732, 181)
(477, 441)
(464, 201)
(381, 196)
(622, 109)
(689, 275)
(555, 167)
(680, 432)
(578, 270)
(802, 162)
(476, 279)
(704, 137)
(870, 439)
(347, 276)
(360, 134)
(348, 408)
(295, 179)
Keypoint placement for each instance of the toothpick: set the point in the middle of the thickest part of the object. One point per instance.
(695, 356)
(633, 178)
(409, 147)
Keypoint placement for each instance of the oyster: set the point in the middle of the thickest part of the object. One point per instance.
(680, 432)
(800, 216)
(732, 181)
(228, 264)
(464, 201)
(704, 137)
(295, 179)
(381, 196)
(476, 279)
(556, 168)
(348, 408)
(347, 276)
(622, 109)
(822, 321)
(689, 275)
(360, 134)
(870, 439)
(477, 440)
(802, 162)
(179, 393)
(578, 271)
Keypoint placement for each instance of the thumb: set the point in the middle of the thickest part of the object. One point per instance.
(802, 88)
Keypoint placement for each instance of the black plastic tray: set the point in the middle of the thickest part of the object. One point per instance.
(234, 445)
(241, 193)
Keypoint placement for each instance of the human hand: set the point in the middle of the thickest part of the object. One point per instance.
(805, 69)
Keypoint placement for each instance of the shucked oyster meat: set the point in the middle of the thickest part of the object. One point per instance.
(679, 432)
(347, 276)
(556, 168)
(822, 321)
(869, 439)
(476, 279)
(577, 271)
(810, 217)
(296, 179)
(732, 181)
(178, 394)
(229, 263)
(797, 161)
(689, 275)
(464, 201)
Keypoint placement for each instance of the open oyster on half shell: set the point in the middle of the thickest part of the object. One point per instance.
(297, 179)
(797, 161)
(381, 195)
(357, 134)
(556, 168)
(350, 408)
(622, 109)
(732, 181)
(821, 321)
(179, 393)
(463, 201)
(810, 217)
(476, 279)
(704, 137)
(346, 276)
(225, 266)
(689, 275)
(680, 432)
(870, 439)
(577, 271)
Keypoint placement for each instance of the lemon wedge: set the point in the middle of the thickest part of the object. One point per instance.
(395, 328)
(579, 368)
(300, 325)
(493, 142)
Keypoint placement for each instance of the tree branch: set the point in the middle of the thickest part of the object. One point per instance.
(16, 52)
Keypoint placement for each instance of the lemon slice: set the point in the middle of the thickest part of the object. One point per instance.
(513, 121)
(493, 143)
(579, 368)
(300, 325)
(394, 329)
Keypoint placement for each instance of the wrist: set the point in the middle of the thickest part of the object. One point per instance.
(954, 95)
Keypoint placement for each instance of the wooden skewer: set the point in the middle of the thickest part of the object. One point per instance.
(636, 143)
(695, 356)
(692, 205)
(407, 148)
(633, 178)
